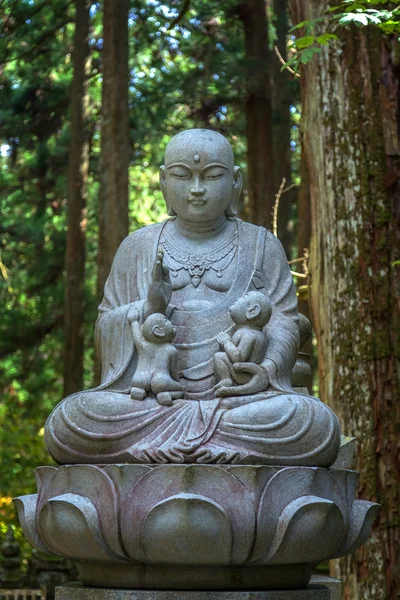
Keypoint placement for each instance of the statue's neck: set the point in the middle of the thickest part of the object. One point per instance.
(205, 229)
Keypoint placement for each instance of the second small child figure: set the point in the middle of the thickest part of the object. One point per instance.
(248, 344)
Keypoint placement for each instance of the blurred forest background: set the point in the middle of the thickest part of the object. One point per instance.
(308, 95)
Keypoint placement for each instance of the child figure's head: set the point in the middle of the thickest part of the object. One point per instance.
(253, 308)
(158, 329)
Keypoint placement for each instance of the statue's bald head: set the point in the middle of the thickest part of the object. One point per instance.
(199, 165)
(199, 146)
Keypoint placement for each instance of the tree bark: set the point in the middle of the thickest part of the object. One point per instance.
(261, 184)
(115, 144)
(284, 88)
(78, 165)
(352, 148)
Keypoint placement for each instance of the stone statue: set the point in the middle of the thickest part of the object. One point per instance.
(195, 450)
(193, 268)
(249, 343)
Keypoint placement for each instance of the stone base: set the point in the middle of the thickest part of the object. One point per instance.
(199, 577)
(215, 527)
(75, 591)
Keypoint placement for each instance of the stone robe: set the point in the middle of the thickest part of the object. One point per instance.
(274, 427)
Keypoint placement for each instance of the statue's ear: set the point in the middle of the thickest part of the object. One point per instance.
(163, 186)
(231, 211)
(158, 331)
(253, 312)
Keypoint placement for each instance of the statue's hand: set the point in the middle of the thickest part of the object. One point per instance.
(160, 288)
(223, 338)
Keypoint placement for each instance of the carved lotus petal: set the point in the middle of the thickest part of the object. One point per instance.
(74, 518)
(26, 508)
(362, 516)
(308, 530)
(91, 483)
(211, 491)
(286, 486)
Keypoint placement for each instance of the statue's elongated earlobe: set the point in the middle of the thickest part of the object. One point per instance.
(231, 210)
(170, 210)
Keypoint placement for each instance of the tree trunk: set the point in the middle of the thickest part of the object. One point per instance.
(74, 299)
(283, 89)
(351, 144)
(115, 144)
(261, 184)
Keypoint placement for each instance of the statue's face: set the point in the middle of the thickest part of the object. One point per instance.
(199, 180)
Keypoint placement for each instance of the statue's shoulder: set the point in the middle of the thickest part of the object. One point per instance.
(253, 231)
(144, 235)
(272, 246)
(138, 240)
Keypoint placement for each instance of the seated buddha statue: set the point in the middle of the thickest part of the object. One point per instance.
(193, 268)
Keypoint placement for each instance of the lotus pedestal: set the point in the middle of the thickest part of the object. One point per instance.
(202, 527)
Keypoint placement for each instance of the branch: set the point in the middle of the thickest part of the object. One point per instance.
(276, 207)
(184, 8)
(284, 63)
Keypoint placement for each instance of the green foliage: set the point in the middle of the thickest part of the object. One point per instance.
(191, 74)
(349, 12)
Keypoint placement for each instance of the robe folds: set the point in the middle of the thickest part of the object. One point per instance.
(278, 426)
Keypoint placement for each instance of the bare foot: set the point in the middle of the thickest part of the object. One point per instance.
(164, 398)
(137, 393)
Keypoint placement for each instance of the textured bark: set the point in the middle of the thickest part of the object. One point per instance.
(74, 300)
(261, 185)
(283, 90)
(351, 144)
(115, 146)
(304, 241)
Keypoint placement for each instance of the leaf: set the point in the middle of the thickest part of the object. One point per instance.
(305, 41)
(353, 18)
(326, 38)
(307, 55)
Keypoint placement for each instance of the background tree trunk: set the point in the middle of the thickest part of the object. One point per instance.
(74, 305)
(115, 145)
(284, 88)
(351, 145)
(260, 166)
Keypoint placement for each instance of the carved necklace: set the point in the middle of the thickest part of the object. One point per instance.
(198, 264)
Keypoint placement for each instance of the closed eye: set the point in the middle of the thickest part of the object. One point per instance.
(180, 174)
(214, 176)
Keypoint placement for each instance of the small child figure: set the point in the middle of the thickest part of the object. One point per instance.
(156, 366)
(248, 344)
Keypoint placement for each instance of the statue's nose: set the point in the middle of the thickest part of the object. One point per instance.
(197, 191)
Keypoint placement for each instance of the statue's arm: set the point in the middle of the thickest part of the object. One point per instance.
(113, 334)
(282, 330)
(242, 351)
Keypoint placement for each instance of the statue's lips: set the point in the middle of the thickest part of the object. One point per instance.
(197, 201)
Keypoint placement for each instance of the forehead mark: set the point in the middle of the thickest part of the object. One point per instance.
(196, 158)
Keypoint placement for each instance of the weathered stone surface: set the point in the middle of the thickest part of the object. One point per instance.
(216, 387)
(203, 526)
(78, 592)
(334, 585)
